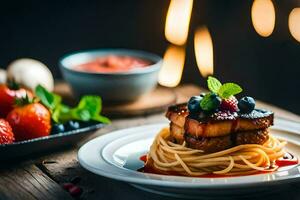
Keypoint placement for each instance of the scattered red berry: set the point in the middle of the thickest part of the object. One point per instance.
(67, 186)
(6, 134)
(230, 104)
(75, 191)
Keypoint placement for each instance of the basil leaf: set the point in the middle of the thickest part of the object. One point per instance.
(48, 99)
(55, 115)
(81, 114)
(229, 89)
(101, 118)
(213, 84)
(91, 103)
(88, 108)
(62, 114)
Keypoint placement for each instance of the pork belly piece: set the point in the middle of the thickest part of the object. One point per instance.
(215, 144)
(218, 124)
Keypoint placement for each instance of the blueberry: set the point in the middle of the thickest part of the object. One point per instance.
(72, 125)
(246, 104)
(194, 104)
(57, 128)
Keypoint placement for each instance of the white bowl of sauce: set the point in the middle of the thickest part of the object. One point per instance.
(115, 74)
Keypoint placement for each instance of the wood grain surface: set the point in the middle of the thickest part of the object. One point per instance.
(29, 182)
(42, 178)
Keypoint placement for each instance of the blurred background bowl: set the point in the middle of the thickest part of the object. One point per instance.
(114, 86)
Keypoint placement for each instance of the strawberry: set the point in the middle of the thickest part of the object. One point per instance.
(29, 120)
(6, 134)
(230, 104)
(8, 94)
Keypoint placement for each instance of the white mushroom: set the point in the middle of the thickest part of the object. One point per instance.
(30, 73)
(2, 76)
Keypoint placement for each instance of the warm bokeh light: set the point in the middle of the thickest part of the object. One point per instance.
(171, 71)
(294, 23)
(204, 51)
(263, 17)
(178, 20)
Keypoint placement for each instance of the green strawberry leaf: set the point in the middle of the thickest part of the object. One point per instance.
(229, 89)
(213, 84)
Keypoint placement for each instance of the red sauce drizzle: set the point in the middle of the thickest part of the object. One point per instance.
(143, 158)
(287, 160)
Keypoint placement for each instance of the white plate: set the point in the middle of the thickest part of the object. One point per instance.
(116, 155)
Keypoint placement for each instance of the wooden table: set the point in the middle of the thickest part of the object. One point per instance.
(42, 177)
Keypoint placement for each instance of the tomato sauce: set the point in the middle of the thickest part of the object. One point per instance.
(287, 160)
(143, 158)
(113, 63)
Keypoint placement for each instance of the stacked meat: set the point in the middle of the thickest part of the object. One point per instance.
(219, 131)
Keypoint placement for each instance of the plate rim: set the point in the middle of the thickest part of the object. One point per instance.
(168, 183)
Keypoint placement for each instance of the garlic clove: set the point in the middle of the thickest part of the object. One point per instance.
(30, 73)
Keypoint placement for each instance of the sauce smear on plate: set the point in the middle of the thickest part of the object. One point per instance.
(287, 160)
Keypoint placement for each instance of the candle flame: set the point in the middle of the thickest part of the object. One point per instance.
(294, 23)
(172, 68)
(263, 17)
(204, 51)
(178, 20)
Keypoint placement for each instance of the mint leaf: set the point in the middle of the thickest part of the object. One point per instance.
(229, 89)
(213, 84)
(48, 99)
(61, 114)
(102, 119)
(55, 115)
(210, 102)
(88, 108)
(91, 103)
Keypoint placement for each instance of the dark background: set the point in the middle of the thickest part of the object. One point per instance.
(267, 68)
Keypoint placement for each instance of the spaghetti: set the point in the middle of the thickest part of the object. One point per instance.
(166, 156)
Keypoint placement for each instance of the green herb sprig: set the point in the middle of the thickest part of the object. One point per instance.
(88, 108)
(218, 91)
(225, 90)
